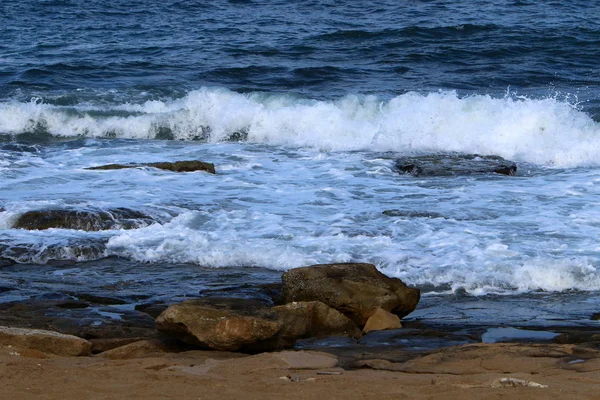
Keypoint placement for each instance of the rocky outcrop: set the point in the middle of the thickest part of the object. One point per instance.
(177, 166)
(44, 341)
(310, 319)
(219, 324)
(382, 320)
(356, 290)
(88, 323)
(248, 325)
(116, 218)
(455, 164)
(318, 301)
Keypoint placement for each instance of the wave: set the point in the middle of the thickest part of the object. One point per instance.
(545, 131)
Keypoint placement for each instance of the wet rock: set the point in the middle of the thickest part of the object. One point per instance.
(87, 323)
(354, 289)
(310, 319)
(178, 166)
(455, 164)
(153, 310)
(6, 262)
(412, 214)
(71, 304)
(97, 299)
(44, 341)
(382, 320)
(117, 218)
(595, 317)
(219, 324)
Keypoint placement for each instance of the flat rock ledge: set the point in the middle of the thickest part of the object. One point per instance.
(45, 341)
(319, 301)
(177, 166)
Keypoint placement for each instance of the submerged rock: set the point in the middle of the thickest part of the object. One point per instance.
(178, 166)
(116, 218)
(44, 341)
(355, 289)
(455, 164)
(413, 214)
(87, 323)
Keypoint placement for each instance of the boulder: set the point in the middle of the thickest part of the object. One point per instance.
(177, 166)
(45, 341)
(455, 164)
(219, 324)
(86, 220)
(310, 319)
(354, 289)
(382, 320)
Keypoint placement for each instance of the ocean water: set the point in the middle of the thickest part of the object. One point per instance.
(304, 107)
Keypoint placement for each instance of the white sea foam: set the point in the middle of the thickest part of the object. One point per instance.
(541, 131)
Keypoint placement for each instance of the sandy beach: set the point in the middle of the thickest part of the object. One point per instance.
(142, 371)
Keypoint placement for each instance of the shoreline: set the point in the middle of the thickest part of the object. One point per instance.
(460, 345)
(143, 371)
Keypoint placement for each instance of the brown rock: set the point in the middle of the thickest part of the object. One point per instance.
(310, 319)
(220, 324)
(142, 348)
(290, 360)
(354, 289)
(382, 320)
(178, 166)
(44, 341)
(102, 345)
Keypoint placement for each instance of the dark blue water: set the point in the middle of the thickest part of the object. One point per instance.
(68, 51)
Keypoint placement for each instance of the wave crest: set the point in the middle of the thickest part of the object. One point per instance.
(541, 131)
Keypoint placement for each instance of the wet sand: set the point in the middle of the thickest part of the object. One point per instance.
(479, 371)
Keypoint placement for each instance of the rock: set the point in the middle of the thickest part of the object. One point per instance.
(310, 319)
(102, 345)
(152, 309)
(45, 341)
(142, 348)
(515, 383)
(355, 290)
(87, 323)
(455, 164)
(117, 218)
(6, 262)
(412, 214)
(287, 360)
(382, 320)
(219, 324)
(594, 317)
(178, 166)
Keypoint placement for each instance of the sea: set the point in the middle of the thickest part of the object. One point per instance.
(304, 107)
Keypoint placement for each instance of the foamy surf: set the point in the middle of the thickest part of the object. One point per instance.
(548, 131)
